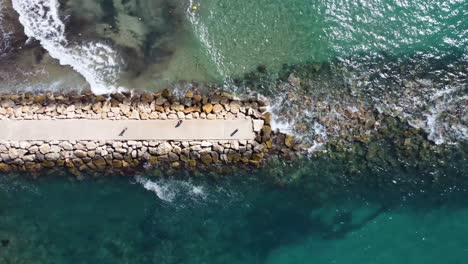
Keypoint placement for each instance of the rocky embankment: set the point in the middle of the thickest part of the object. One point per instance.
(125, 157)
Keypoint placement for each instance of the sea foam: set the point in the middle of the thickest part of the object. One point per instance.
(169, 190)
(97, 62)
(4, 34)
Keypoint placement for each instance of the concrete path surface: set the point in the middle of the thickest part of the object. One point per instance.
(126, 129)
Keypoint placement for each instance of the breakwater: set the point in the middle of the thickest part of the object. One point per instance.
(221, 130)
(125, 133)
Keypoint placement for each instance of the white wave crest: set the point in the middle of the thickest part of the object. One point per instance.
(4, 34)
(169, 190)
(97, 62)
(289, 117)
(439, 131)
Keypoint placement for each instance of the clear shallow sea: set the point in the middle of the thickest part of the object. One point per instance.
(371, 46)
(155, 42)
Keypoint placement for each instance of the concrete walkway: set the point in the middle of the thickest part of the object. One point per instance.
(126, 130)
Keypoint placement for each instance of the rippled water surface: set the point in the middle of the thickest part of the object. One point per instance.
(407, 59)
(234, 221)
(160, 41)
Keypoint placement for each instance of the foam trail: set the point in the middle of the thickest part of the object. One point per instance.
(98, 63)
(163, 192)
(169, 190)
(202, 32)
(4, 35)
(284, 120)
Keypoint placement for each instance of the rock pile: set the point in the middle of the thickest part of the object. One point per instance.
(145, 106)
(125, 157)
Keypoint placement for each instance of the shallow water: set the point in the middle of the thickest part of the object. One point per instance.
(157, 42)
(408, 59)
(237, 220)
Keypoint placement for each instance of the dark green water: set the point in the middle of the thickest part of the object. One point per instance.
(237, 220)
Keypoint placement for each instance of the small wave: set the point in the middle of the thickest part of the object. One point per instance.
(170, 190)
(4, 34)
(202, 33)
(441, 131)
(97, 62)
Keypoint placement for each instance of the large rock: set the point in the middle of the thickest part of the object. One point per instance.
(24, 144)
(13, 153)
(257, 125)
(217, 108)
(4, 168)
(206, 158)
(53, 156)
(80, 153)
(289, 140)
(55, 149)
(235, 106)
(33, 149)
(124, 108)
(207, 108)
(44, 148)
(173, 156)
(205, 144)
(97, 107)
(134, 115)
(164, 148)
(7, 103)
(66, 145)
(29, 158)
(91, 146)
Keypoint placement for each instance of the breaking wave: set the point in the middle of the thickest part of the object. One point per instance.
(4, 34)
(434, 105)
(170, 190)
(97, 62)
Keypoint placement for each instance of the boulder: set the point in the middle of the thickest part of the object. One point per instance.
(91, 145)
(257, 125)
(217, 108)
(44, 148)
(124, 108)
(235, 107)
(53, 156)
(134, 115)
(207, 108)
(4, 168)
(55, 149)
(206, 158)
(13, 153)
(65, 145)
(24, 145)
(80, 153)
(173, 156)
(289, 140)
(164, 148)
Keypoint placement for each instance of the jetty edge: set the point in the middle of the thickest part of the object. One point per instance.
(124, 133)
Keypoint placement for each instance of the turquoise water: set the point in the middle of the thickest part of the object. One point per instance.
(161, 42)
(237, 220)
(248, 33)
(362, 47)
